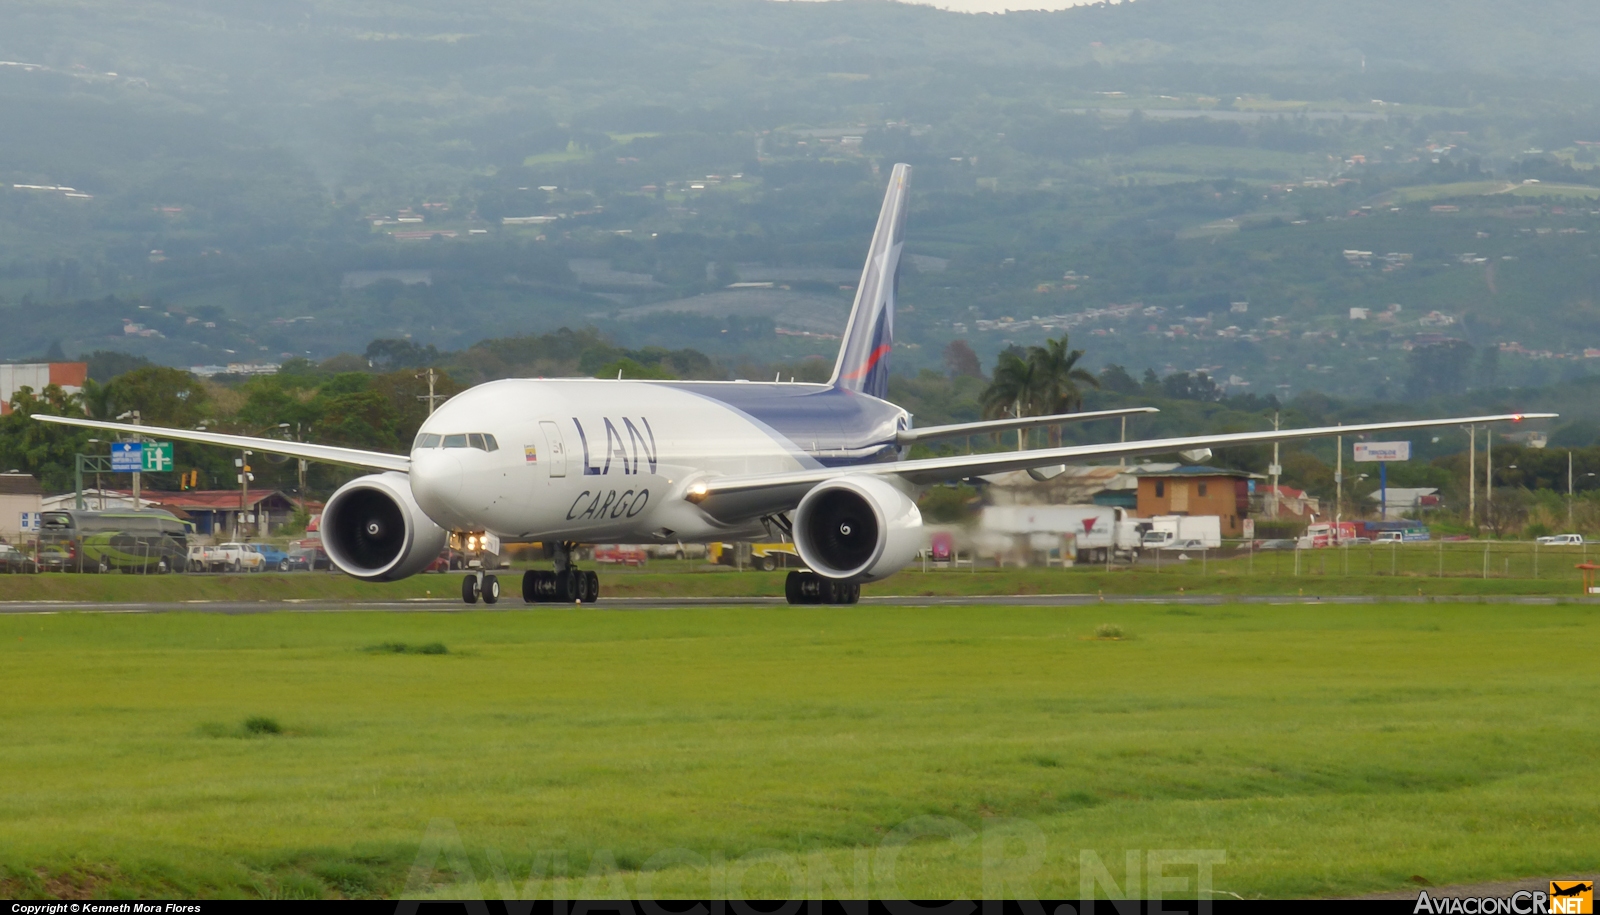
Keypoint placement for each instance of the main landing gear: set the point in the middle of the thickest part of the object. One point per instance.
(811, 588)
(566, 585)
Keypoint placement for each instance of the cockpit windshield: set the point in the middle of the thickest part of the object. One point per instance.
(482, 441)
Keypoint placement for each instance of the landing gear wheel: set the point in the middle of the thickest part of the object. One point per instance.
(530, 587)
(791, 588)
(591, 587)
(491, 589)
(469, 589)
(567, 587)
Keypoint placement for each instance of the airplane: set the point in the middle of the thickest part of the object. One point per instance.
(581, 461)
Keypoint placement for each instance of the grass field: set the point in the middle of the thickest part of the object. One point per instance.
(1321, 749)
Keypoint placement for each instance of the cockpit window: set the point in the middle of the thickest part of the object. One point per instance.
(489, 443)
(456, 441)
(475, 439)
(426, 440)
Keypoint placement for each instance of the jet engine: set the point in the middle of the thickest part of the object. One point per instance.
(373, 529)
(857, 528)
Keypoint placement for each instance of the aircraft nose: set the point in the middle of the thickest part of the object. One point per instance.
(436, 477)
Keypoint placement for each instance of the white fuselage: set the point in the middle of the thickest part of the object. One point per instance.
(595, 460)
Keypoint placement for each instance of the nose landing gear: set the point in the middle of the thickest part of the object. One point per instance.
(480, 584)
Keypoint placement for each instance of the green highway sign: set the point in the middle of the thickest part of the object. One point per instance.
(157, 457)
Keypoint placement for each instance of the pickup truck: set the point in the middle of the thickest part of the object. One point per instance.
(226, 557)
(1562, 540)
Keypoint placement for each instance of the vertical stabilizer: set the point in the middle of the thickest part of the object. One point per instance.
(864, 357)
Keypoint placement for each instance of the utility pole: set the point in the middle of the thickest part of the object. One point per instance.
(1569, 489)
(1123, 460)
(432, 398)
(1276, 469)
(136, 474)
(1488, 475)
(1472, 479)
(1338, 487)
(244, 494)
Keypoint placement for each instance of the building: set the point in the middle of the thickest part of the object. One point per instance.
(1197, 490)
(20, 497)
(69, 375)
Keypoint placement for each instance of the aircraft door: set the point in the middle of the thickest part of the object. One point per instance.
(555, 448)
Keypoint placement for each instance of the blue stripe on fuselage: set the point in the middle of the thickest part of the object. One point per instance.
(821, 425)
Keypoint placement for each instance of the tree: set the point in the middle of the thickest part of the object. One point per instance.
(1116, 378)
(960, 359)
(1013, 389)
(1059, 379)
(163, 396)
(43, 449)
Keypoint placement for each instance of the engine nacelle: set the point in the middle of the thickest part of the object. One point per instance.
(857, 528)
(373, 529)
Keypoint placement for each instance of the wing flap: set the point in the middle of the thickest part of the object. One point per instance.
(327, 454)
(955, 430)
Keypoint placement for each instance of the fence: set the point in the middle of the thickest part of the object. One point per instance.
(1420, 559)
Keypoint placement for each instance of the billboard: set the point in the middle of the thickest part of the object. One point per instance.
(1383, 451)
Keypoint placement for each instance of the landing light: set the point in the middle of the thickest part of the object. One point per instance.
(697, 492)
(1516, 417)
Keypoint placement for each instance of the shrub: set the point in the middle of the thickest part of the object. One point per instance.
(262, 725)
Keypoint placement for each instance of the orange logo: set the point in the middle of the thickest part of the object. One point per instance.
(1572, 897)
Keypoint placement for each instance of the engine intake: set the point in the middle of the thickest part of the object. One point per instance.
(372, 528)
(857, 528)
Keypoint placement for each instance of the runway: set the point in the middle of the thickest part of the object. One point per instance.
(443, 605)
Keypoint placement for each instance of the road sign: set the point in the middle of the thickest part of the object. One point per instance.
(1382, 451)
(31, 522)
(157, 457)
(127, 457)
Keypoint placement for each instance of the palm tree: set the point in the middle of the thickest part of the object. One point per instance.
(1013, 390)
(1057, 378)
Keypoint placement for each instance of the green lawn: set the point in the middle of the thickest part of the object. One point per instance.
(1321, 749)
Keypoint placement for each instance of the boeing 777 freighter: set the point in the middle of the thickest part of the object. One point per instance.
(576, 461)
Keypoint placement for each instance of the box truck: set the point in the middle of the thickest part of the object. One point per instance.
(1183, 532)
(1095, 529)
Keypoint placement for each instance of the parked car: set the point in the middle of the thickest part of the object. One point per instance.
(676, 550)
(1562, 540)
(15, 561)
(619, 554)
(273, 558)
(1276, 544)
(307, 559)
(226, 557)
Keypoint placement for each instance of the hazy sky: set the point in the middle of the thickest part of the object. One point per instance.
(998, 6)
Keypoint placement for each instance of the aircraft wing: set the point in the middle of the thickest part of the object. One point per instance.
(757, 494)
(956, 430)
(327, 454)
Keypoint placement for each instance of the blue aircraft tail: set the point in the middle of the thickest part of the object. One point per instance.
(864, 356)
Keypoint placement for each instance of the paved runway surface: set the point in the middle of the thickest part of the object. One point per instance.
(442, 605)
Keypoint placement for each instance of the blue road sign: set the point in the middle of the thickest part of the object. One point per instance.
(127, 457)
